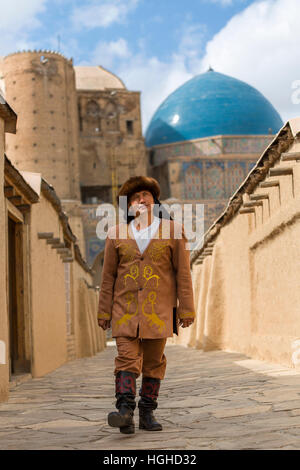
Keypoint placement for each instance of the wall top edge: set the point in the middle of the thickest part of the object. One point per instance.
(213, 137)
(40, 51)
(8, 115)
(19, 181)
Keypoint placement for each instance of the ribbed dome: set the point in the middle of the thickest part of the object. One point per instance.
(212, 104)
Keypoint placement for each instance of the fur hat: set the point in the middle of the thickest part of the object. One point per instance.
(138, 183)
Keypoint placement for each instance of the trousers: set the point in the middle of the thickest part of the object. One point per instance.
(141, 356)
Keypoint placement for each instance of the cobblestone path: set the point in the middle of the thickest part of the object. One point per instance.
(215, 400)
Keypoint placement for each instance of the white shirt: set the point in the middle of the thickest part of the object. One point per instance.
(143, 236)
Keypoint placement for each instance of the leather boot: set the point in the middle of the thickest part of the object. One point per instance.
(148, 403)
(125, 395)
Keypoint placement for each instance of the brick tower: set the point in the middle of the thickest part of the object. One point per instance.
(40, 85)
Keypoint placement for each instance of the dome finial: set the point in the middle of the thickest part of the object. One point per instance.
(210, 69)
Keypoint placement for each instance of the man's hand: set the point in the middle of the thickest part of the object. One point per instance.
(184, 322)
(105, 324)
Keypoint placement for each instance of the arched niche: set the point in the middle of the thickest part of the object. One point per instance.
(111, 117)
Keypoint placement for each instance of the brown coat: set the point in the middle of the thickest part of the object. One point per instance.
(142, 289)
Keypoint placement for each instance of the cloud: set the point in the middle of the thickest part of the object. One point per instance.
(17, 14)
(191, 42)
(224, 3)
(260, 45)
(102, 13)
(154, 77)
(17, 20)
(106, 53)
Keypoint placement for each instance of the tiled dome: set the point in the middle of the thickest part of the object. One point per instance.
(212, 104)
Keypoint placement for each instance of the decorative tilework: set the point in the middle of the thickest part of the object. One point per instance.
(236, 173)
(214, 163)
(94, 246)
(214, 180)
(212, 104)
(192, 180)
(250, 166)
(231, 164)
(213, 146)
(212, 212)
(187, 165)
(209, 215)
(219, 207)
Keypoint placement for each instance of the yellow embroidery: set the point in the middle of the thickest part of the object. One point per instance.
(128, 316)
(127, 251)
(148, 275)
(187, 315)
(104, 316)
(152, 317)
(133, 273)
(157, 250)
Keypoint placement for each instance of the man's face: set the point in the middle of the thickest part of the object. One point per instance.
(140, 201)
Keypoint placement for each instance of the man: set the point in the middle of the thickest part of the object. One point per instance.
(146, 272)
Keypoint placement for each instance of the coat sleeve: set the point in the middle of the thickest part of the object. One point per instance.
(181, 265)
(109, 274)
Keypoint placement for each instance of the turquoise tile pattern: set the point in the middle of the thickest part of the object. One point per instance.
(212, 104)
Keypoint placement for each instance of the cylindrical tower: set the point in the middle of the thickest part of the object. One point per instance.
(40, 86)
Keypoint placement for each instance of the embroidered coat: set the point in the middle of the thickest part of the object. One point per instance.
(143, 288)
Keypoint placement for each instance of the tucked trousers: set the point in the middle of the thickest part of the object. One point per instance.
(141, 356)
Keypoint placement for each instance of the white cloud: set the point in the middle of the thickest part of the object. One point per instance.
(224, 3)
(191, 42)
(18, 18)
(102, 13)
(261, 46)
(106, 53)
(17, 14)
(155, 78)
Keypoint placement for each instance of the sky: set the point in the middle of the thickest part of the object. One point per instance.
(155, 46)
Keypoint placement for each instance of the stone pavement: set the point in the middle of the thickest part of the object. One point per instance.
(212, 400)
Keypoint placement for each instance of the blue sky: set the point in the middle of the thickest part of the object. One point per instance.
(156, 45)
(153, 25)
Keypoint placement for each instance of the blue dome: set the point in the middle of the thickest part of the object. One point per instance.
(212, 104)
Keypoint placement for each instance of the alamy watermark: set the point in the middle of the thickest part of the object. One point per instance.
(190, 216)
(296, 94)
(2, 352)
(296, 354)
